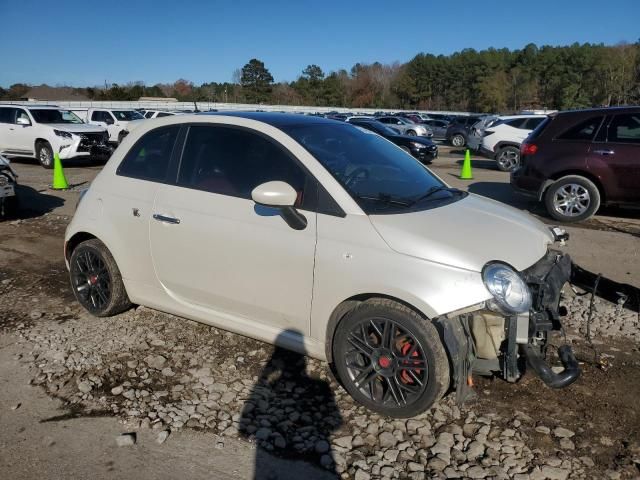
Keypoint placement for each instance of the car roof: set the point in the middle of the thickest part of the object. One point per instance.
(32, 107)
(278, 120)
(603, 110)
(529, 115)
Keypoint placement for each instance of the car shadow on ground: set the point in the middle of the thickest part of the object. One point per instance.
(81, 162)
(480, 163)
(290, 414)
(503, 192)
(608, 218)
(33, 203)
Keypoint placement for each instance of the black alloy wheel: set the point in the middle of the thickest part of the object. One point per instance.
(390, 359)
(96, 280)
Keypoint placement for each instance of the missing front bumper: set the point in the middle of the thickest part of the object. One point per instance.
(521, 341)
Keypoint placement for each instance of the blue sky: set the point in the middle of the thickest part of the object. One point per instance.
(87, 42)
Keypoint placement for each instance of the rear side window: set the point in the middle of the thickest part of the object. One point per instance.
(149, 158)
(163, 114)
(517, 122)
(584, 130)
(625, 128)
(7, 114)
(234, 161)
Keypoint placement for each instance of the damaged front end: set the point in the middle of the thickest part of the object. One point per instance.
(489, 339)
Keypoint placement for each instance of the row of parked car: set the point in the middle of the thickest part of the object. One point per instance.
(571, 161)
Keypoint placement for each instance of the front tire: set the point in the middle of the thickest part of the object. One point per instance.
(411, 133)
(44, 154)
(390, 359)
(508, 158)
(96, 280)
(572, 199)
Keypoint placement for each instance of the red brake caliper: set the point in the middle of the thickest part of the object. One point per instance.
(404, 374)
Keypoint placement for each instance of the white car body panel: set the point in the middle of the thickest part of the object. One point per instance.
(231, 264)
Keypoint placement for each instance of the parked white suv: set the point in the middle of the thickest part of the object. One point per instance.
(39, 131)
(501, 139)
(240, 220)
(115, 120)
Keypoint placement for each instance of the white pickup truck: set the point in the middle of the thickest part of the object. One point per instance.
(40, 131)
(115, 120)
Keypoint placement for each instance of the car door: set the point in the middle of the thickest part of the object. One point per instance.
(619, 157)
(22, 133)
(215, 249)
(7, 116)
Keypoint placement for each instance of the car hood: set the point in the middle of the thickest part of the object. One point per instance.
(467, 234)
(77, 127)
(414, 138)
(133, 124)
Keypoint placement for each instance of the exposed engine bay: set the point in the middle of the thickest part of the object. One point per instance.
(486, 341)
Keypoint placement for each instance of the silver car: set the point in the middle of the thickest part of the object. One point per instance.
(328, 240)
(406, 126)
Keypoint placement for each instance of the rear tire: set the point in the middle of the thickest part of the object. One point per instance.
(96, 280)
(572, 199)
(458, 140)
(508, 158)
(385, 375)
(44, 154)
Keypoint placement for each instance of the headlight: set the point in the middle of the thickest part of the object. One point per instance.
(507, 287)
(62, 134)
(417, 145)
(3, 180)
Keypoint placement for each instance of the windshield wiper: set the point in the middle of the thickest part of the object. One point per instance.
(385, 198)
(432, 190)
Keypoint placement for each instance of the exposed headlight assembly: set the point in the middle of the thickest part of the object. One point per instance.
(509, 290)
(62, 134)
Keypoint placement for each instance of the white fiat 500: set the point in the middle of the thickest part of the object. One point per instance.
(331, 240)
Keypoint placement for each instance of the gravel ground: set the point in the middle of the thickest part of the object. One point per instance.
(158, 371)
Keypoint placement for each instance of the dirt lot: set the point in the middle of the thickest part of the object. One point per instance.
(237, 408)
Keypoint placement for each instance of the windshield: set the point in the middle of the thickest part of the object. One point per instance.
(41, 115)
(127, 115)
(377, 174)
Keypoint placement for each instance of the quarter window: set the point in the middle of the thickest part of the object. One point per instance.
(233, 161)
(584, 130)
(625, 128)
(150, 156)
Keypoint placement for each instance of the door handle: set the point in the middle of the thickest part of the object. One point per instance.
(165, 219)
(604, 152)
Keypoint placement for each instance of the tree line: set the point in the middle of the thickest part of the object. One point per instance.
(491, 80)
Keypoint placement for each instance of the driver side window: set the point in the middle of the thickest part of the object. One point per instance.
(233, 161)
(22, 118)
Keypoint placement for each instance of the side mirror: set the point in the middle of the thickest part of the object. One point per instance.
(280, 195)
(23, 121)
(274, 194)
(109, 121)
